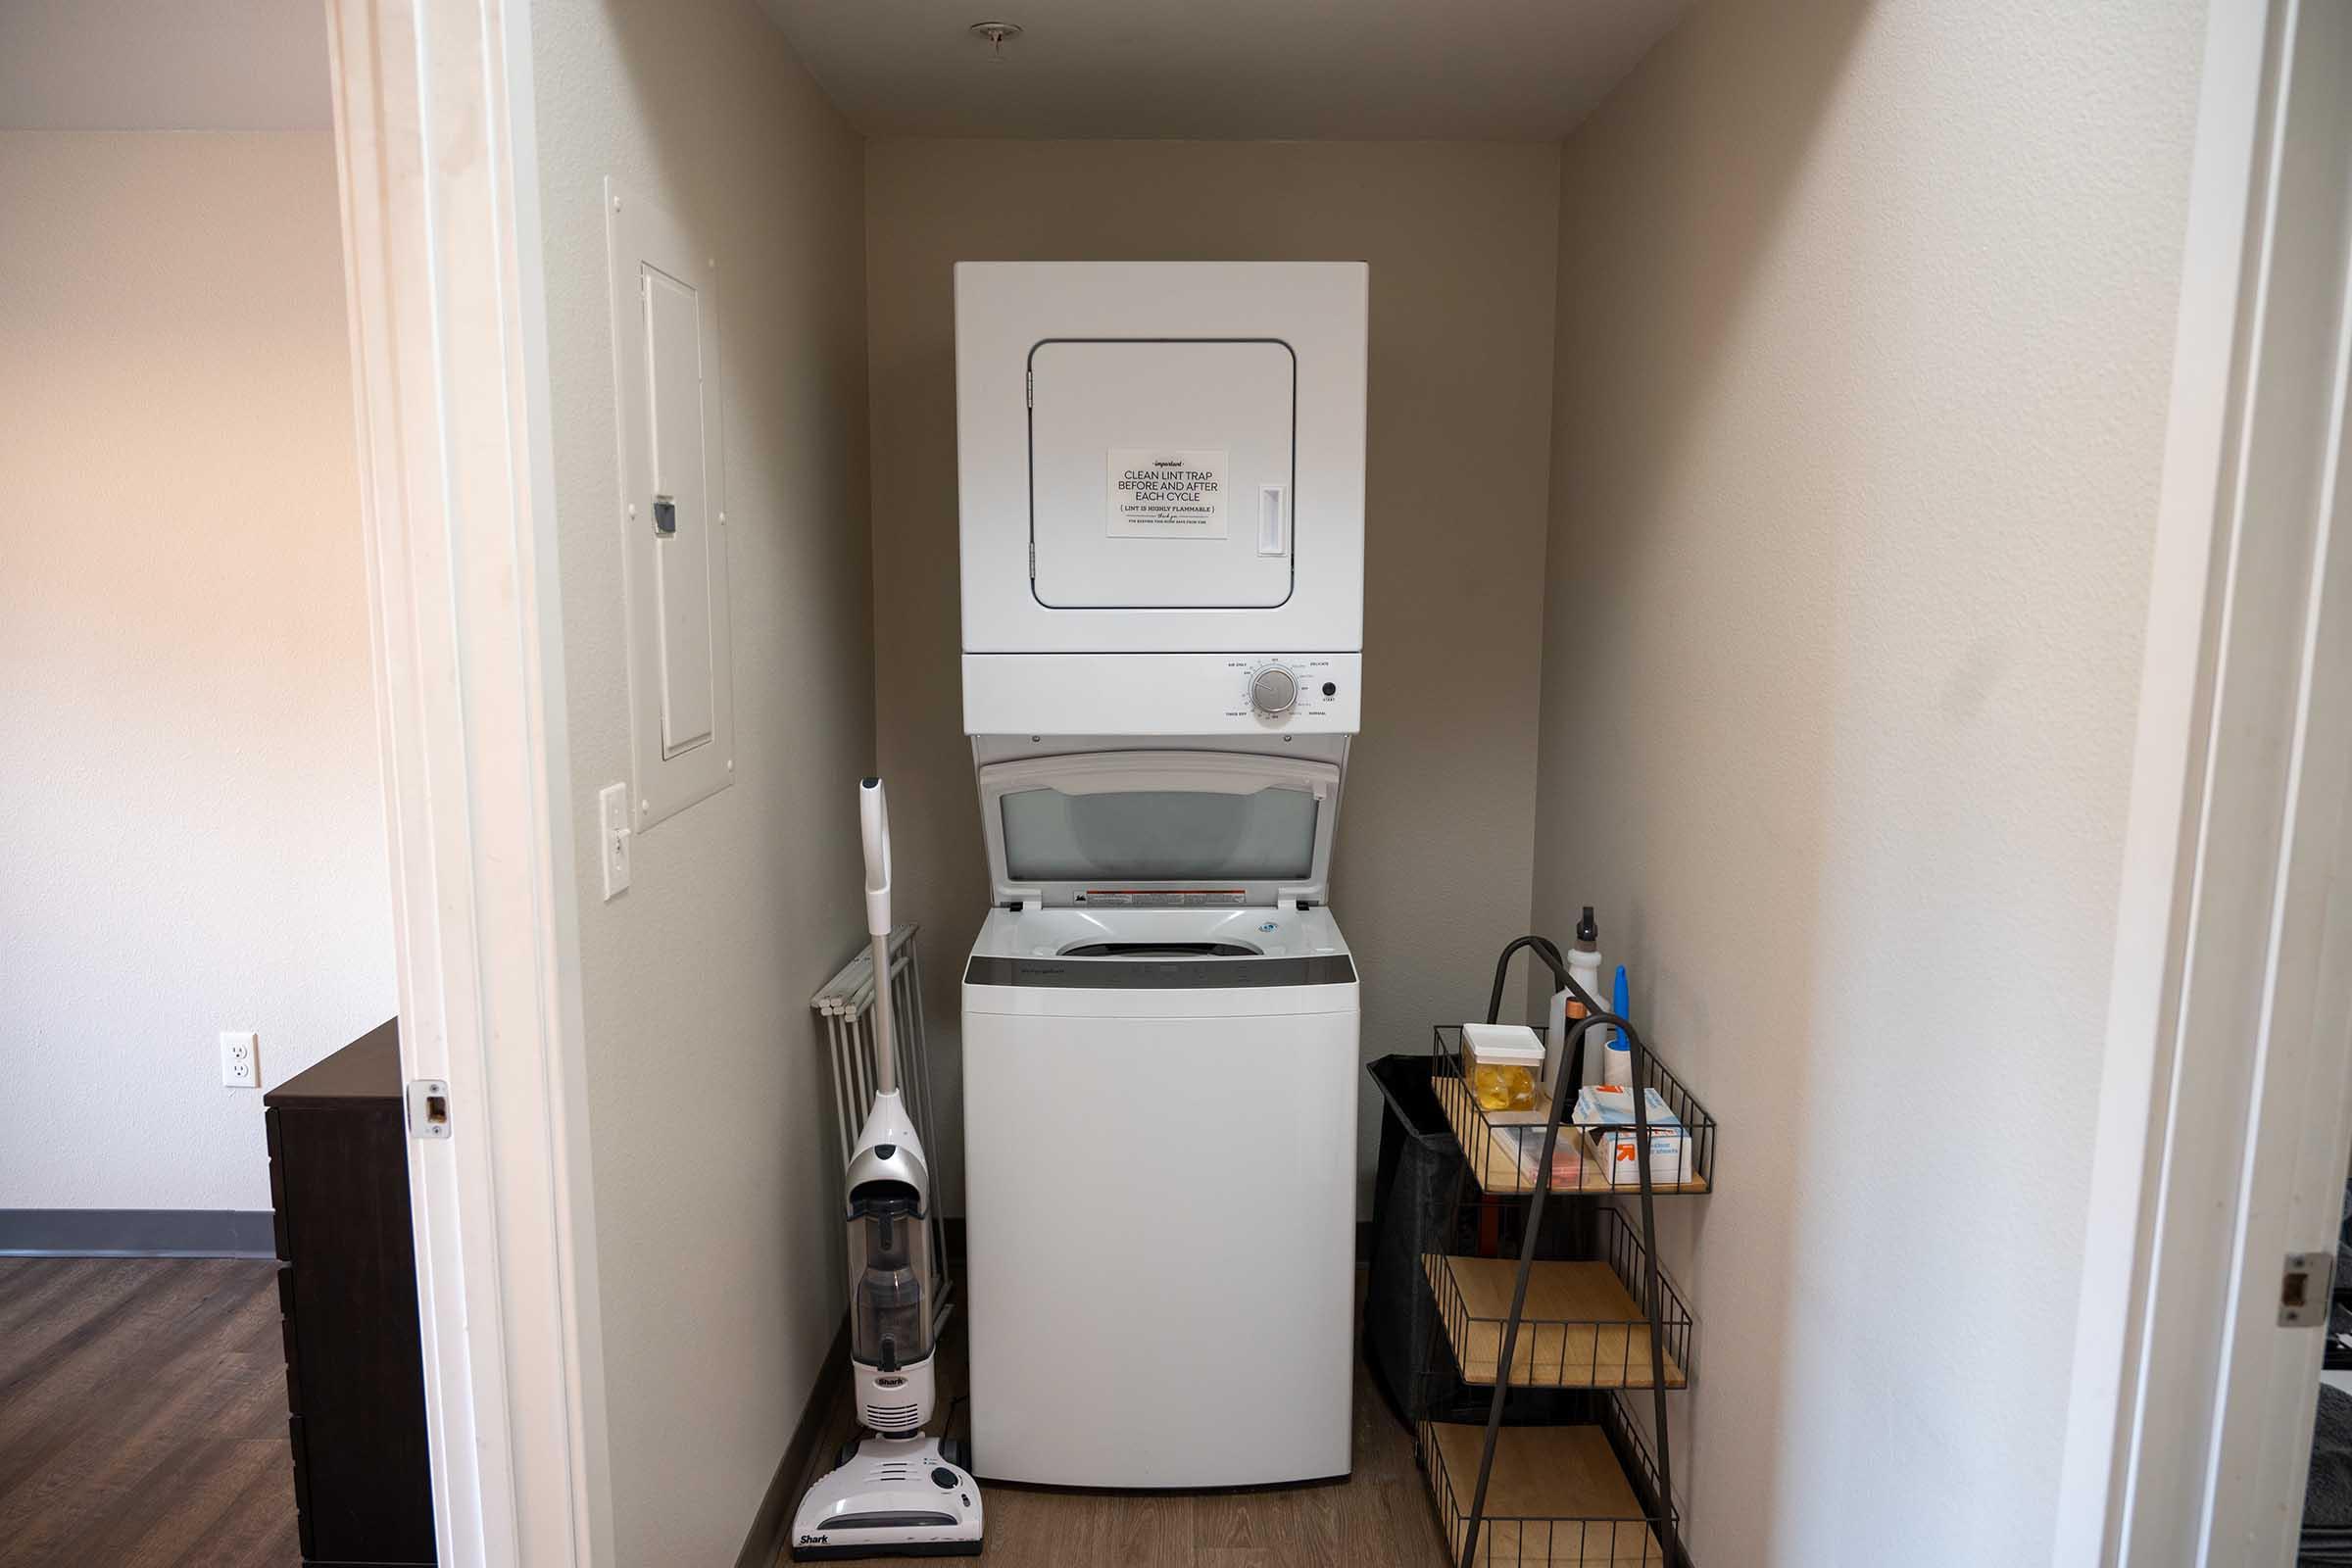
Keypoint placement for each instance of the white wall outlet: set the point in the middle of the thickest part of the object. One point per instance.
(240, 1059)
(613, 835)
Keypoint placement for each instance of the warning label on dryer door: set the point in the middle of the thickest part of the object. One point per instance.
(1159, 493)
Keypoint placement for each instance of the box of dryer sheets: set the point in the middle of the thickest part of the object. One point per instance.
(1605, 1111)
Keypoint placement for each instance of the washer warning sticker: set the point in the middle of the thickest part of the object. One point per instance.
(1160, 493)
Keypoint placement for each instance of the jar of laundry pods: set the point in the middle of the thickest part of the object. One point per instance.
(1501, 1062)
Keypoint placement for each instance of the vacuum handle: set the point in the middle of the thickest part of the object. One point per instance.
(873, 830)
(873, 826)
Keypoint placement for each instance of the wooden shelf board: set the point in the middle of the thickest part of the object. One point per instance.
(1495, 1167)
(1557, 1499)
(1566, 1339)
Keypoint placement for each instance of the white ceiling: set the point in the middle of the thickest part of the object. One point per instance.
(164, 65)
(1225, 70)
(1237, 70)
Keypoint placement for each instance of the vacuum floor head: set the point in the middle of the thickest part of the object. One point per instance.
(894, 1498)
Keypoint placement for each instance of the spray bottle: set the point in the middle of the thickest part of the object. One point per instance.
(1584, 967)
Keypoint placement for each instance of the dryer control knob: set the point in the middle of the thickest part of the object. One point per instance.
(1273, 690)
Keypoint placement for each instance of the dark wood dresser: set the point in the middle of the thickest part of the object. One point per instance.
(346, 1284)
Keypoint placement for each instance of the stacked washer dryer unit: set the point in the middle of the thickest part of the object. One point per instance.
(1162, 492)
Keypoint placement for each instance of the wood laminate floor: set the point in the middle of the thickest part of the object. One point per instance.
(1380, 1517)
(144, 1423)
(143, 1414)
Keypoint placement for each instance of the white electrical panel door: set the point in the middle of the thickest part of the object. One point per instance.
(674, 556)
(681, 551)
(1160, 474)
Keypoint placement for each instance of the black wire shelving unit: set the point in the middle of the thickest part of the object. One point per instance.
(1553, 1317)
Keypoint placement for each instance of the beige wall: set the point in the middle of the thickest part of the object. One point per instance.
(187, 732)
(715, 1166)
(1431, 875)
(1865, 325)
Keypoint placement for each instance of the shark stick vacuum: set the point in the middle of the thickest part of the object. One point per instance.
(896, 1492)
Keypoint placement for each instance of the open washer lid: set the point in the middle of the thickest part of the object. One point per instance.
(1159, 829)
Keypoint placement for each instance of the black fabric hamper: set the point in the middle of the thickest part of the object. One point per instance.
(1417, 1190)
(1413, 1196)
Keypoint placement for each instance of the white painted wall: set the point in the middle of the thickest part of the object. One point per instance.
(1865, 321)
(187, 734)
(716, 1166)
(192, 64)
(1430, 876)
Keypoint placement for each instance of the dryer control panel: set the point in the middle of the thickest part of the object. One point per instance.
(1278, 692)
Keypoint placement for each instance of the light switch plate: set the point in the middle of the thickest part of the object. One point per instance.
(240, 1059)
(613, 835)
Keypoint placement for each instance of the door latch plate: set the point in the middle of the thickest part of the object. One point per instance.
(429, 1108)
(2306, 1289)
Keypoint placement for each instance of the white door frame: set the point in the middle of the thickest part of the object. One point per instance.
(440, 230)
(2225, 1121)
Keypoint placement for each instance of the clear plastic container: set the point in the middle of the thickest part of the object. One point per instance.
(1501, 1062)
(1505, 1086)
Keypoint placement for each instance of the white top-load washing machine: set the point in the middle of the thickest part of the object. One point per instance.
(1161, 469)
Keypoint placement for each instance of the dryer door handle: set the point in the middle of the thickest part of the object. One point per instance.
(1273, 520)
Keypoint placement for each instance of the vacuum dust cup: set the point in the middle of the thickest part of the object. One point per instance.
(890, 1314)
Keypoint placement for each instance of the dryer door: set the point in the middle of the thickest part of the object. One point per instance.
(1159, 829)
(1161, 473)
